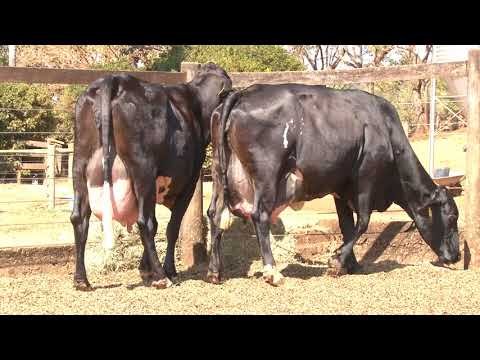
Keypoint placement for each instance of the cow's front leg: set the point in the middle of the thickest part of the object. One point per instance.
(347, 226)
(261, 221)
(147, 224)
(80, 220)
(340, 261)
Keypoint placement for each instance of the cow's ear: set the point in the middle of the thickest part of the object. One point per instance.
(432, 200)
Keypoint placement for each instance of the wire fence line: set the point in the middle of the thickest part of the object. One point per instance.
(12, 158)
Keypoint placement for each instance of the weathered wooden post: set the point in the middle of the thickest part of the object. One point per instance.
(70, 162)
(192, 242)
(472, 201)
(12, 55)
(50, 172)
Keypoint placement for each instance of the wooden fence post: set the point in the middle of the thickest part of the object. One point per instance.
(70, 163)
(50, 172)
(192, 241)
(472, 201)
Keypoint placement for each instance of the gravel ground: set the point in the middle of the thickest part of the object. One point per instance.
(385, 288)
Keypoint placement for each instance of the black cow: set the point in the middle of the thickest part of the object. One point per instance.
(152, 141)
(279, 145)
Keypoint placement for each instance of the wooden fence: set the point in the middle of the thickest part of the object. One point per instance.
(462, 69)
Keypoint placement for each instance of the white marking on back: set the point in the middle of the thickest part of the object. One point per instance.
(285, 141)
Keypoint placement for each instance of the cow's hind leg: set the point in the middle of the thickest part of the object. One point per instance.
(80, 218)
(145, 269)
(215, 266)
(173, 228)
(338, 263)
(145, 189)
(347, 226)
(264, 201)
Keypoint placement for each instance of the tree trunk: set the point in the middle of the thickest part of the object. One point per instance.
(192, 240)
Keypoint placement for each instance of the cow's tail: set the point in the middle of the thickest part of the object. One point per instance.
(227, 108)
(105, 114)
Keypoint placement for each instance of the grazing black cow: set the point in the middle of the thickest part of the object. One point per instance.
(279, 145)
(152, 141)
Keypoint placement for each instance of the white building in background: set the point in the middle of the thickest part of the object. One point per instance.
(449, 53)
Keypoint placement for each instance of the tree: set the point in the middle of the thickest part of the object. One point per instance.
(329, 57)
(24, 108)
(411, 55)
(65, 110)
(170, 60)
(88, 56)
(320, 57)
(245, 58)
(3, 55)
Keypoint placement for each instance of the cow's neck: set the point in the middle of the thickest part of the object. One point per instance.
(417, 188)
(206, 104)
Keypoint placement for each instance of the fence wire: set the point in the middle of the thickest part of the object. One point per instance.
(445, 117)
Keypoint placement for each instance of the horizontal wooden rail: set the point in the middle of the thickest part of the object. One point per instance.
(34, 166)
(365, 75)
(35, 152)
(75, 76)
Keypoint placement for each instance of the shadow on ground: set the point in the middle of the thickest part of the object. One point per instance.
(240, 249)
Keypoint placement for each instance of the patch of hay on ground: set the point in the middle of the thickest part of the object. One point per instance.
(127, 252)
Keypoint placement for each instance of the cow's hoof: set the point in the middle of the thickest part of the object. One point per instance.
(272, 276)
(354, 269)
(147, 277)
(335, 268)
(170, 271)
(83, 285)
(214, 278)
(162, 283)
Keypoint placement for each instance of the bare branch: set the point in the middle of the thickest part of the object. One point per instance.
(321, 56)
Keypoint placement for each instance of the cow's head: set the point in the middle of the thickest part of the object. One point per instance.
(213, 84)
(444, 239)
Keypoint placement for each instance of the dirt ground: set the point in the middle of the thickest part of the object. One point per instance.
(384, 288)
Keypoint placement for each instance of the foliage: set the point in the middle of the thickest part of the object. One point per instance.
(24, 108)
(116, 65)
(171, 60)
(3, 55)
(207, 164)
(245, 58)
(65, 111)
(87, 56)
